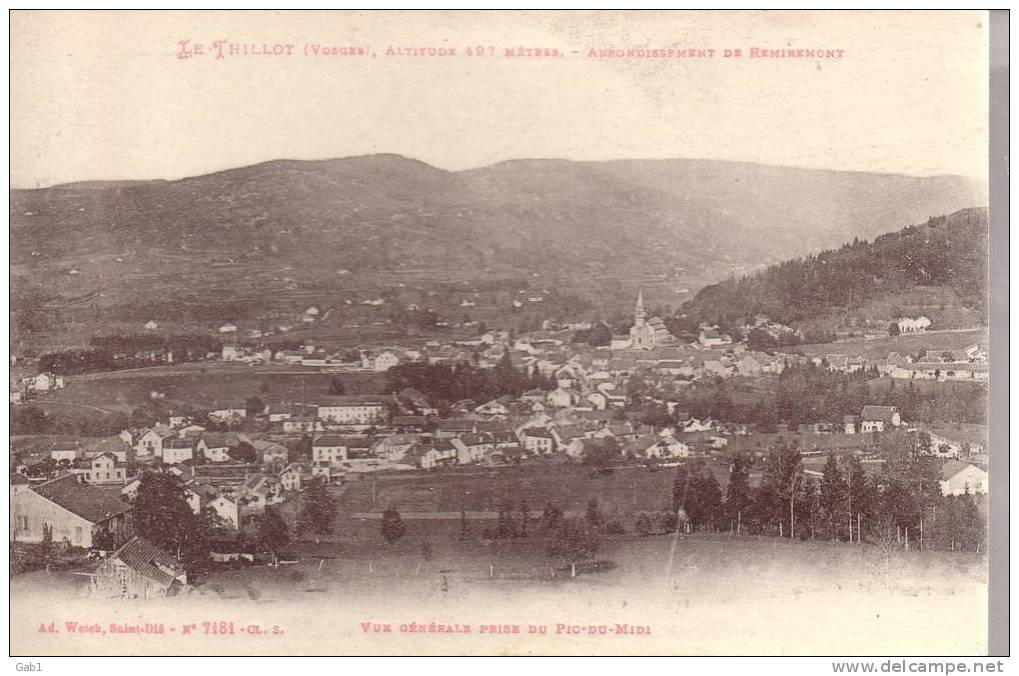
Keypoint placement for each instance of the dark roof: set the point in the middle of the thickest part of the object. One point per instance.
(878, 413)
(150, 561)
(92, 504)
(18, 479)
(356, 400)
(177, 443)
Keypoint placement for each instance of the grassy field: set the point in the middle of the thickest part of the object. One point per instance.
(697, 594)
(879, 348)
(200, 385)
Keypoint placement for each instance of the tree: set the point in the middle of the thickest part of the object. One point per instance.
(318, 510)
(593, 514)
(243, 452)
(393, 527)
(834, 498)
(737, 498)
(254, 406)
(163, 517)
(300, 450)
(704, 500)
(507, 527)
(573, 541)
(273, 533)
(551, 516)
(336, 385)
(645, 525)
(893, 329)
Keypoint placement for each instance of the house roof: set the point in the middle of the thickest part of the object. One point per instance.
(92, 504)
(537, 432)
(478, 439)
(331, 440)
(953, 467)
(148, 560)
(18, 479)
(219, 439)
(878, 413)
(177, 443)
(355, 400)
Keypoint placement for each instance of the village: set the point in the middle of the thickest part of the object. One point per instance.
(604, 408)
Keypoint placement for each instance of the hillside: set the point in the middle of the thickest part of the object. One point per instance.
(938, 268)
(265, 241)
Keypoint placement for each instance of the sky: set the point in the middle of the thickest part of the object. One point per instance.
(104, 96)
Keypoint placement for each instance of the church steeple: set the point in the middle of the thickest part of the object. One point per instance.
(639, 314)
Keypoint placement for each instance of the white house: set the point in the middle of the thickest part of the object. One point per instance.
(227, 328)
(353, 410)
(913, 324)
(227, 510)
(104, 469)
(177, 450)
(561, 398)
(960, 478)
(879, 418)
(330, 449)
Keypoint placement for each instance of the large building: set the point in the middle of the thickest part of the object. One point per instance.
(69, 511)
(646, 334)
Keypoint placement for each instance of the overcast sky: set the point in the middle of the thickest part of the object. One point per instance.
(104, 96)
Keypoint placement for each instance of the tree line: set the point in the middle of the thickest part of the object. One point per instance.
(946, 251)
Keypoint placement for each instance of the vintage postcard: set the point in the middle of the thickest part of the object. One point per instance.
(499, 333)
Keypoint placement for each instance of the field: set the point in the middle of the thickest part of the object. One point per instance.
(696, 594)
(201, 385)
(878, 348)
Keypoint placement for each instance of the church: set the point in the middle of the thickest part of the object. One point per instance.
(647, 334)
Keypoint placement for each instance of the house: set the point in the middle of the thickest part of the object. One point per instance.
(496, 407)
(190, 431)
(749, 365)
(270, 451)
(396, 445)
(229, 412)
(70, 511)
(913, 324)
(837, 362)
(291, 478)
(104, 469)
(538, 440)
(177, 450)
(151, 325)
(215, 447)
(301, 424)
(44, 382)
(439, 453)
(354, 410)
(502, 439)
(561, 398)
(849, 424)
(138, 570)
(232, 353)
(879, 418)
(227, 509)
(65, 451)
(960, 478)
(277, 413)
(597, 400)
(580, 447)
(712, 338)
(473, 447)
(385, 360)
(330, 449)
(227, 328)
(446, 429)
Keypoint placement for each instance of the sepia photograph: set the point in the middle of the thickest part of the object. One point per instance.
(499, 333)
